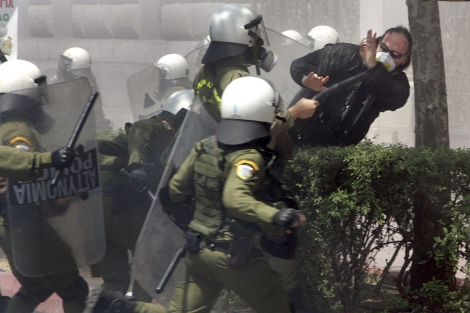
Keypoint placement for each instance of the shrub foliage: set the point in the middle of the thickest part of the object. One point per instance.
(359, 200)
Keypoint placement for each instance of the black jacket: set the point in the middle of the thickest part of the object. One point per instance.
(344, 118)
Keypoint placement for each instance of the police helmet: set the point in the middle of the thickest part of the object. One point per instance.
(320, 36)
(232, 29)
(74, 62)
(294, 35)
(18, 75)
(248, 108)
(175, 106)
(173, 66)
(180, 100)
(79, 57)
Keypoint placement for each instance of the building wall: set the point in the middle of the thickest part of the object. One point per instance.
(126, 36)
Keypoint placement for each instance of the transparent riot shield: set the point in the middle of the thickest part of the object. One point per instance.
(160, 239)
(148, 89)
(57, 228)
(144, 96)
(194, 57)
(285, 48)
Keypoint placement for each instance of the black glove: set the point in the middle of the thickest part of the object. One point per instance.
(138, 178)
(285, 217)
(164, 196)
(62, 158)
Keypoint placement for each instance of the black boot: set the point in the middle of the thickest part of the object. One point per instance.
(4, 303)
(102, 301)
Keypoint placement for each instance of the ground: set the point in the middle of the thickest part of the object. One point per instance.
(9, 285)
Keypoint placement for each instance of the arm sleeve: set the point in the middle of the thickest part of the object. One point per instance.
(283, 124)
(182, 183)
(22, 165)
(338, 61)
(116, 147)
(238, 194)
(391, 91)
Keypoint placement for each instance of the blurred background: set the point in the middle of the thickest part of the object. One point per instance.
(124, 37)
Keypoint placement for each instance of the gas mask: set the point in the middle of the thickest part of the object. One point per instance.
(386, 59)
(259, 56)
(268, 60)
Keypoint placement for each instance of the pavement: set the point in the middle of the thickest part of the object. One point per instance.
(9, 285)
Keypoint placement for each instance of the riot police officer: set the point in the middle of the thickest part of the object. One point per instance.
(20, 123)
(223, 226)
(76, 62)
(174, 73)
(238, 40)
(238, 37)
(125, 206)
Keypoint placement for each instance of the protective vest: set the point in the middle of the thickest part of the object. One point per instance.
(210, 217)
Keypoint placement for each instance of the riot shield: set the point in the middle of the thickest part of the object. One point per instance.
(144, 96)
(194, 57)
(285, 48)
(287, 51)
(160, 239)
(56, 228)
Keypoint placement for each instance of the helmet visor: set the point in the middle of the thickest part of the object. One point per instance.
(257, 27)
(164, 71)
(65, 64)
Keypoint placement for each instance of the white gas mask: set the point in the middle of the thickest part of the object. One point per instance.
(386, 59)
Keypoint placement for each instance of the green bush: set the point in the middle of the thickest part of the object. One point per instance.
(359, 200)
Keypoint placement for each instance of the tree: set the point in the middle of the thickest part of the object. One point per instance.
(431, 116)
(429, 76)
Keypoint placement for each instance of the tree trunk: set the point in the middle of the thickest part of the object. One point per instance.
(432, 130)
(431, 115)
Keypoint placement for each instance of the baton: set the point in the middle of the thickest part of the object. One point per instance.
(128, 175)
(337, 87)
(78, 128)
(178, 255)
